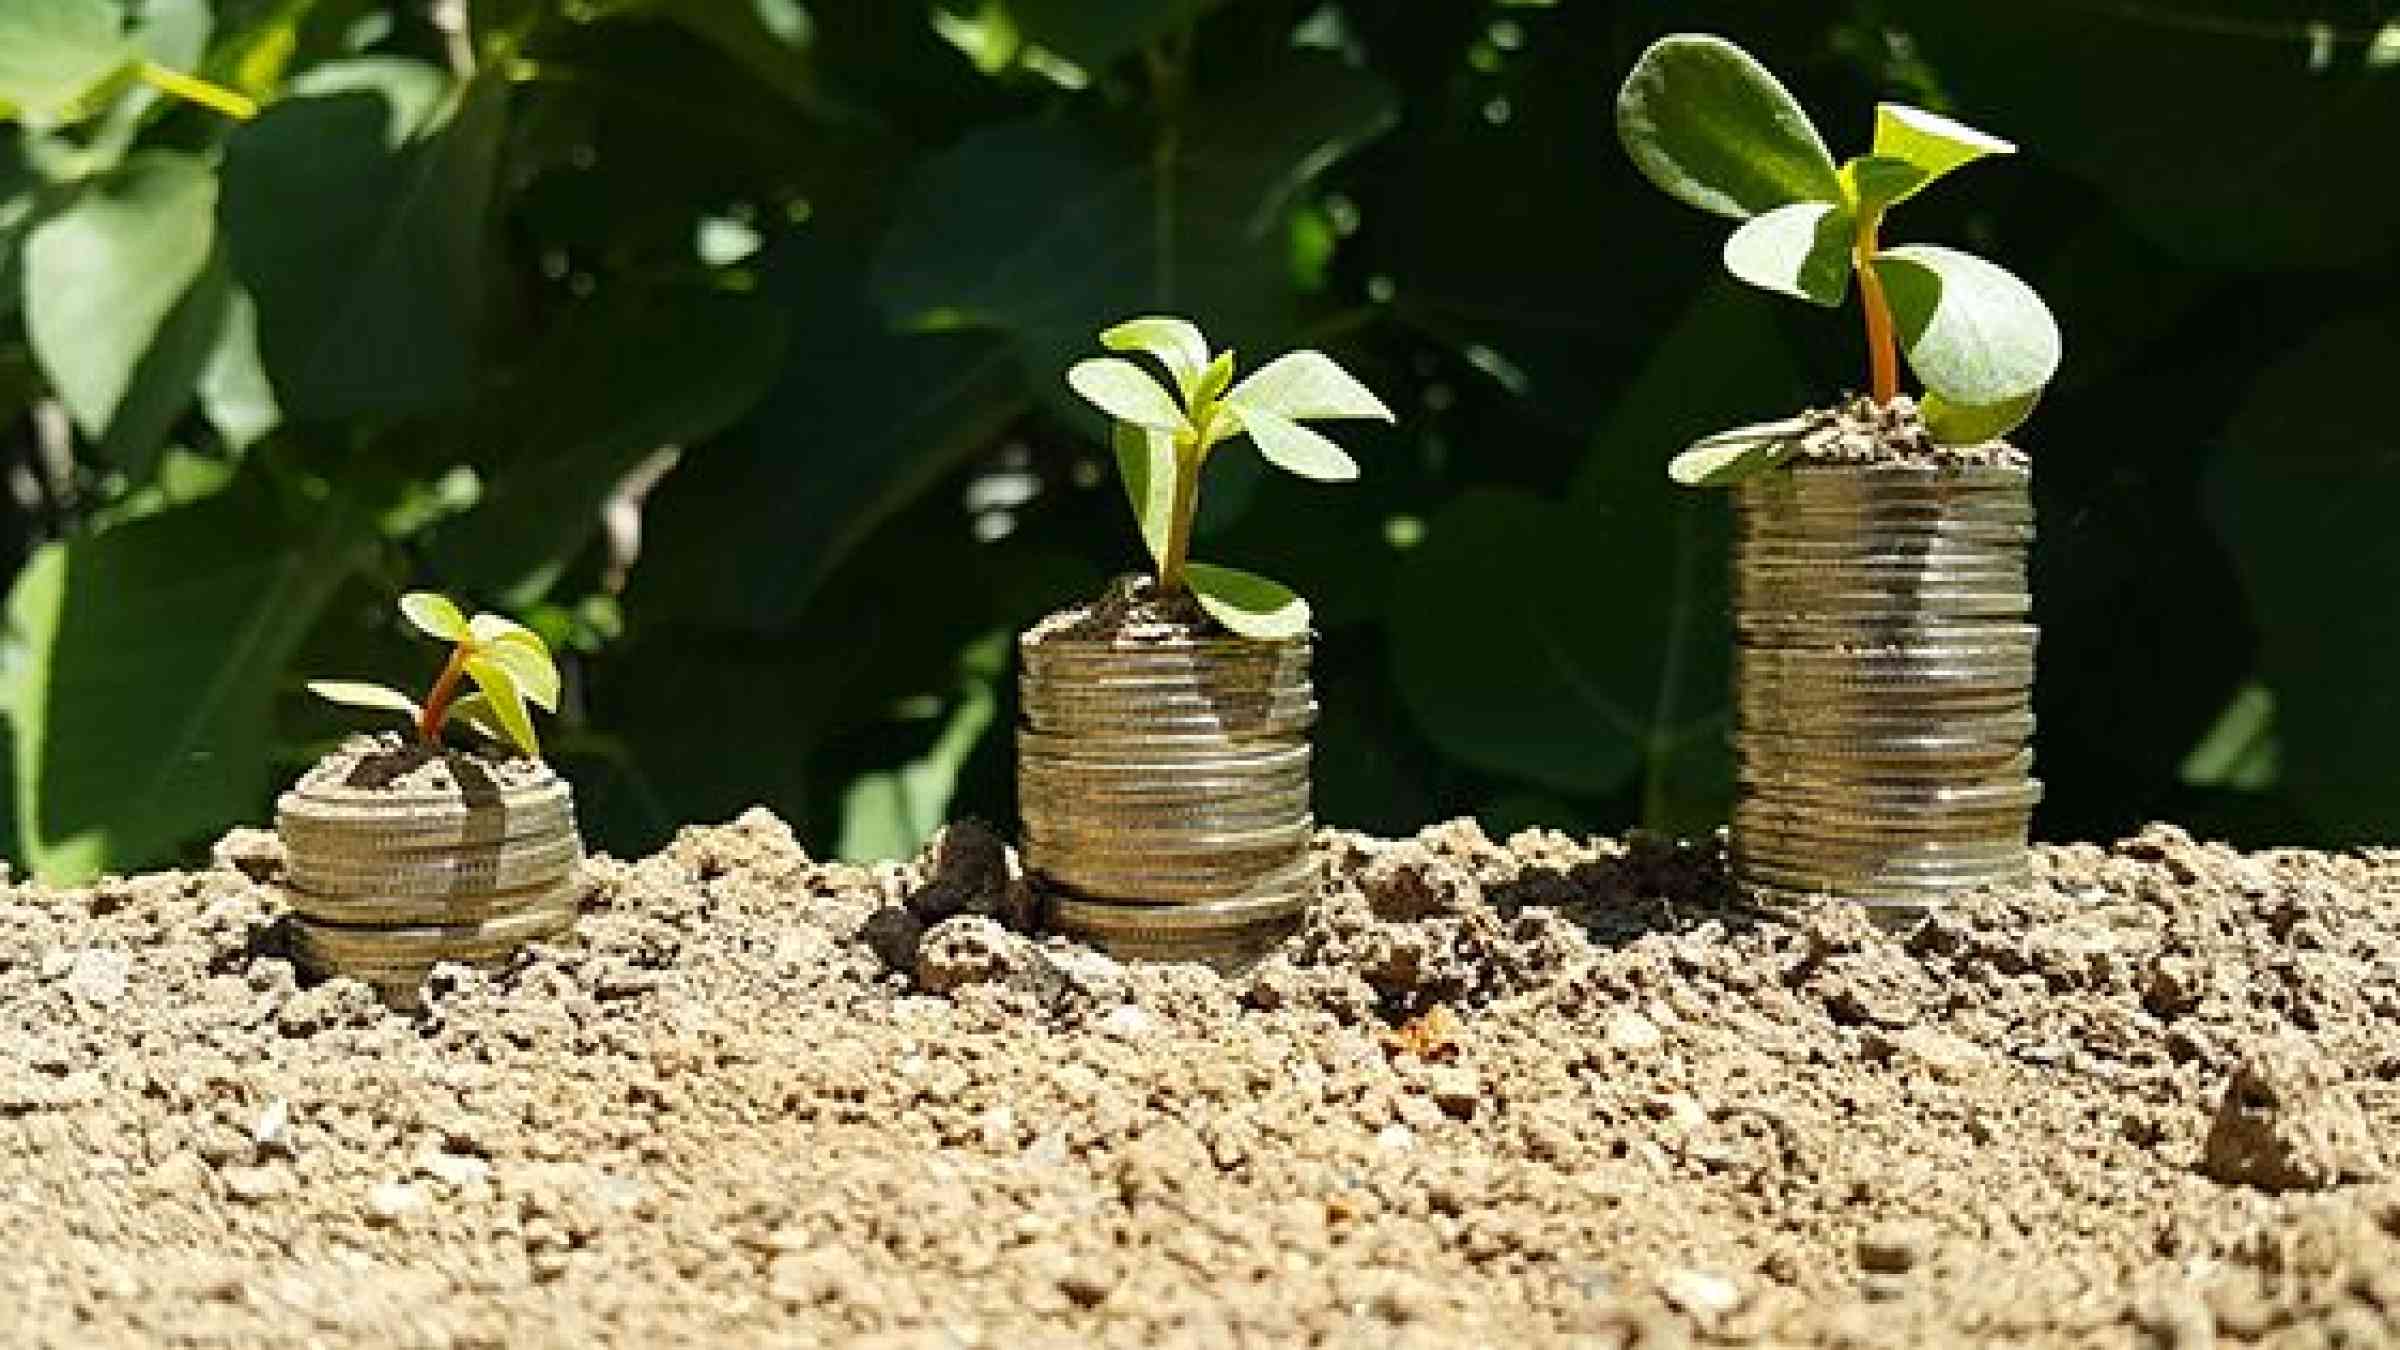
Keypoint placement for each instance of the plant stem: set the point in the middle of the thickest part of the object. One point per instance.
(234, 104)
(1179, 523)
(436, 712)
(1883, 358)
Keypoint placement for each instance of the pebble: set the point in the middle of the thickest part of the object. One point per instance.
(272, 1131)
(1632, 1032)
(1703, 1296)
(253, 1184)
(388, 1202)
(1127, 1021)
(456, 1169)
(1455, 1089)
(99, 976)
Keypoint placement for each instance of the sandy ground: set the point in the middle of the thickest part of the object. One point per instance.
(1547, 1092)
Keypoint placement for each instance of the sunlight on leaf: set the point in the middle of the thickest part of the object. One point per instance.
(1305, 384)
(499, 685)
(1248, 604)
(1801, 250)
(1728, 457)
(360, 694)
(1976, 336)
(435, 616)
(1122, 390)
(1296, 449)
(1712, 128)
(1931, 142)
(1146, 465)
(1176, 343)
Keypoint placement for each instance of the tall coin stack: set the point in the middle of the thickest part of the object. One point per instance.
(1164, 788)
(1883, 681)
(386, 884)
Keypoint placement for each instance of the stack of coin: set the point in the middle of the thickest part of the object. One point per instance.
(386, 884)
(1164, 787)
(1883, 681)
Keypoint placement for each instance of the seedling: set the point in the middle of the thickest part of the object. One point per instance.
(507, 662)
(1163, 439)
(1713, 128)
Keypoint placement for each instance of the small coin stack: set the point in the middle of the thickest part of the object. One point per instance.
(1165, 792)
(387, 884)
(1883, 681)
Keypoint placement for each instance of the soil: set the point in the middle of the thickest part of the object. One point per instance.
(390, 764)
(1132, 612)
(1859, 431)
(1553, 1091)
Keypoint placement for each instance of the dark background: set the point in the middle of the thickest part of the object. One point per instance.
(838, 255)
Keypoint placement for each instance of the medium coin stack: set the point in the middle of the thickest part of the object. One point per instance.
(387, 884)
(1883, 681)
(1164, 788)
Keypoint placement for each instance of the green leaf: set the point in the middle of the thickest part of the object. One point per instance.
(1876, 181)
(1296, 449)
(1306, 384)
(635, 370)
(1712, 128)
(522, 651)
(124, 301)
(233, 389)
(1176, 343)
(1958, 424)
(1213, 381)
(1250, 605)
(116, 767)
(890, 813)
(1146, 466)
(1125, 392)
(435, 616)
(359, 694)
(356, 211)
(1094, 33)
(1934, 144)
(1975, 335)
(1045, 229)
(499, 685)
(1728, 457)
(55, 55)
(474, 712)
(1802, 250)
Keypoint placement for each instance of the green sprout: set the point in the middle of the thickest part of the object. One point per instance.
(507, 662)
(1710, 126)
(1163, 439)
(64, 60)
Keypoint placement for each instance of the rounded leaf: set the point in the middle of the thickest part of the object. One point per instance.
(507, 702)
(1296, 449)
(1712, 128)
(359, 694)
(435, 616)
(1176, 343)
(1247, 603)
(1975, 335)
(1305, 384)
(55, 54)
(1801, 250)
(1122, 390)
(1960, 424)
(529, 663)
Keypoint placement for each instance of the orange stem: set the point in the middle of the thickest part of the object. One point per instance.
(1883, 356)
(436, 713)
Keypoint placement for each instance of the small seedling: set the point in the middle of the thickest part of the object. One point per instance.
(507, 662)
(1714, 129)
(1163, 439)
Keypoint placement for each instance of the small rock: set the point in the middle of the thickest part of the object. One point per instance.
(455, 1169)
(256, 854)
(1455, 1089)
(2289, 1122)
(1089, 1282)
(253, 1184)
(972, 949)
(1702, 1296)
(1631, 1032)
(99, 976)
(1128, 1022)
(892, 933)
(1895, 1247)
(969, 872)
(272, 1131)
(1396, 1138)
(391, 1201)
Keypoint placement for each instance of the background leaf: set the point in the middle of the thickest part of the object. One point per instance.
(54, 53)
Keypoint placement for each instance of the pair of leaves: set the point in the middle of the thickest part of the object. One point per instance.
(508, 663)
(1716, 130)
(1162, 439)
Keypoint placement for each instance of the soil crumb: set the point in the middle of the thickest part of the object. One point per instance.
(389, 763)
(1858, 431)
(1132, 612)
(1546, 1091)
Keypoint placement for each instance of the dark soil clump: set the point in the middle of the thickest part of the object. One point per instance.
(1132, 612)
(1546, 1091)
(1858, 432)
(390, 763)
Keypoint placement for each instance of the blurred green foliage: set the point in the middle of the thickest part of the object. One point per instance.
(721, 342)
